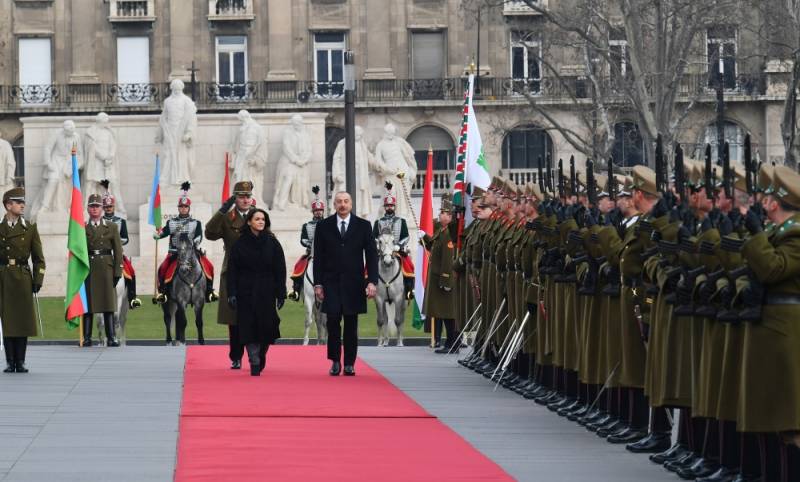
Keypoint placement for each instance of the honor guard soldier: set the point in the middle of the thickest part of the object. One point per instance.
(307, 240)
(440, 298)
(183, 225)
(226, 225)
(105, 270)
(390, 223)
(128, 273)
(19, 241)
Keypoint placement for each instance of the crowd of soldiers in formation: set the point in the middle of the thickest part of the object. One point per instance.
(631, 306)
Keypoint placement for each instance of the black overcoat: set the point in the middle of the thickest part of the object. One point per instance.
(339, 264)
(257, 278)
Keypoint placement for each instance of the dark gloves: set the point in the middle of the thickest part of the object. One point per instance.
(614, 217)
(36, 287)
(725, 226)
(279, 303)
(227, 205)
(660, 209)
(736, 219)
(753, 221)
(232, 302)
(706, 224)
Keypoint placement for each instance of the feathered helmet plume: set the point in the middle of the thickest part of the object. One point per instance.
(108, 199)
(317, 204)
(389, 199)
(184, 199)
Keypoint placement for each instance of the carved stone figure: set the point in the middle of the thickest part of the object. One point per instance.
(100, 148)
(398, 156)
(8, 165)
(292, 181)
(365, 162)
(58, 169)
(249, 154)
(176, 130)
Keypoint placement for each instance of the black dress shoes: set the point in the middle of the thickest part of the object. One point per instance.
(701, 468)
(627, 436)
(613, 427)
(654, 443)
(20, 367)
(10, 368)
(681, 463)
(236, 365)
(724, 474)
(349, 371)
(113, 343)
(673, 453)
(336, 369)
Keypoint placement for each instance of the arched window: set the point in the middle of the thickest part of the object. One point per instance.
(734, 136)
(444, 150)
(628, 147)
(18, 146)
(524, 146)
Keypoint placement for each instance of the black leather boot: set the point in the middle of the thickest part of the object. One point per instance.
(88, 321)
(111, 335)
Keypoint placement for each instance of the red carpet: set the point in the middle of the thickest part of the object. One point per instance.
(297, 423)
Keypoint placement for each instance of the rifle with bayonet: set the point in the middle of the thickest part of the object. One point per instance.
(749, 174)
(573, 180)
(661, 181)
(539, 175)
(727, 174)
(680, 178)
(549, 174)
(591, 188)
(709, 179)
(561, 193)
(612, 181)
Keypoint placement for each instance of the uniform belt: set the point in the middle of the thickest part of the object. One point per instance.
(13, 262)
(781, 299)
(100, 252)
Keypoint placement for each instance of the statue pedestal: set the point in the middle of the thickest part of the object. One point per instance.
(53, 227)
(286, 225)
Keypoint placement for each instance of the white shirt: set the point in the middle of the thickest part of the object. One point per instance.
(339, 221)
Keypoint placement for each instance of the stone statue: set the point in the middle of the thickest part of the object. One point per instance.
(398, 156)
(176, 128)
(365, 162)
(8, 165)
(249, 154)
(58, 169)
(100, 148)
(292, 181)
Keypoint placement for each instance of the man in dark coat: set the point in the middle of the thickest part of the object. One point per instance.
(105, 270)
(343, 247)
(19, 241)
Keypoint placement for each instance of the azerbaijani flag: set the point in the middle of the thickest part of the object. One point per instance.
(421, 259)
(75, 304)
(154, 213)
(226, 183)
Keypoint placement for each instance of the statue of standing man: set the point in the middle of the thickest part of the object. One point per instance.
(58, 169)
(398, 156)
(176, 128)
(100, 148)
(365, 162)
(249, 155)
(292, 180)
(8, 165)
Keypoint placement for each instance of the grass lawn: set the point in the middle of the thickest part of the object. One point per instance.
(146, 323)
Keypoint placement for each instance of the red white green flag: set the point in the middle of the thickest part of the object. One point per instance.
(421, 258)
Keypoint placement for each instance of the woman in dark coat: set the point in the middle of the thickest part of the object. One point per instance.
(257, 287)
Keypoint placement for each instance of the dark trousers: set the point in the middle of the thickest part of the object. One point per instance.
(350, 338)
(236, 348)
(15, 348)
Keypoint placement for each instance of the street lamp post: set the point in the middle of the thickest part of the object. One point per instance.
(350, 125)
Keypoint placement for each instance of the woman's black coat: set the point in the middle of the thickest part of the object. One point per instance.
(257, 278)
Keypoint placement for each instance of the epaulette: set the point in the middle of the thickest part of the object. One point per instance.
(687, 245)
(706, 247)
(731, 244)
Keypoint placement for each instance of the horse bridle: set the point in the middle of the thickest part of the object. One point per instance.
(396, 275)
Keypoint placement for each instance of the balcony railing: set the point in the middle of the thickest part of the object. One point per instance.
(131, 11)
(230, 10)
(441, 182)
(210, 95)
(518, 7)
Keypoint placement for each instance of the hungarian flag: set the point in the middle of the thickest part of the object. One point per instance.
(421, 259)
(226, 183)
(471, 165)
(154, 212)
(75, 304)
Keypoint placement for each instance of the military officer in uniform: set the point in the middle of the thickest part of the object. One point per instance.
(183, 224)
(397, 226)
(226, 225)
(307, 240)
(109, 215)
(105, 269)
(440, 298)
(19, 241)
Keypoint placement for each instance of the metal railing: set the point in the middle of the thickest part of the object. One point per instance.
(230, 8)
(131, 9)
(441, 182)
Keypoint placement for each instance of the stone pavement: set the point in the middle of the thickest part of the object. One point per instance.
(112, 415)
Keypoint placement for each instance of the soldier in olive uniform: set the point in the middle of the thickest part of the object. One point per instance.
(105, 270)
(226, 225)
(19, 241)
(440, 298)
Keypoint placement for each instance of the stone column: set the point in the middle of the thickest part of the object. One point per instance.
(281, 66)
(378, 46)
(83, 32)
(181, 39)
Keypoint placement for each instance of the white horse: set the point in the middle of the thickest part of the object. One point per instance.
(120, 316)
(390, 291)
(313, 306)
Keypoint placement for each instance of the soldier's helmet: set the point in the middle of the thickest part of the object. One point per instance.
(184, 200)
(14, 194)
(108, 198)
(389, 199)
(317, 204)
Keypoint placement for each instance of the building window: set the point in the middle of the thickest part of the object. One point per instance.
(329, 50)
(721, 53)
(35, 76)
(526, 62)
(444, 150)
(525, 147)
(628, 147)
(231, 67)
(133, 69)
(734, 136)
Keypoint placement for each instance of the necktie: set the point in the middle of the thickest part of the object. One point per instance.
(343, 229)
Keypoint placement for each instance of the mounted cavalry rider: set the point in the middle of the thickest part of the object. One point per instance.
(390, 223)
(109, 206)
(182, 225)
(307, 240)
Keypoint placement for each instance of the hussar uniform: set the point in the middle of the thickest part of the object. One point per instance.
(128, 273)
(307, 241)
(398, 228)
